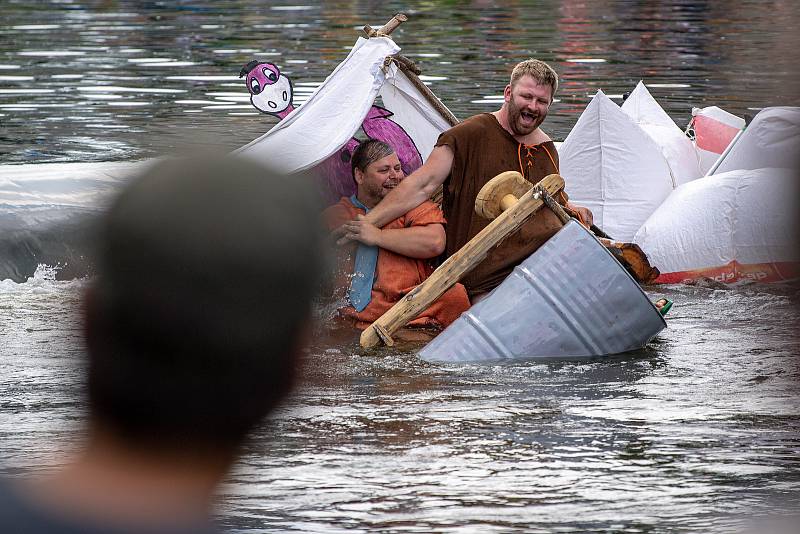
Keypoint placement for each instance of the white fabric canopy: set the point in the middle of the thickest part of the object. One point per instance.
(334, 113)
(613, 167)
(412, 111)
(331, 115)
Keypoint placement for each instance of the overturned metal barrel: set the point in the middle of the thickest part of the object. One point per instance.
(570, 298)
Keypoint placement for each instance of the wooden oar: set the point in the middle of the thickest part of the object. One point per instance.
(460, 263)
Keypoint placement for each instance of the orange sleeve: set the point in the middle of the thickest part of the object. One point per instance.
(424, 214)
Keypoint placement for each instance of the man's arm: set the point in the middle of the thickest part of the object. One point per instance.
(584, 214)
(421, 242)
(415, 189)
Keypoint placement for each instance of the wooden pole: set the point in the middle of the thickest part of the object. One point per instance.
(410, 70)
(459, 264)
(554, 206)
(386, 29)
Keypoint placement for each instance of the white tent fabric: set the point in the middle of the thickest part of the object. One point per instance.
(331, 115)
(677, 149)
(412, 111)
(733, 225)
(772, 139)
(613, 167)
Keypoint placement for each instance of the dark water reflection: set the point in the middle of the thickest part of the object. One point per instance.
(696, 434)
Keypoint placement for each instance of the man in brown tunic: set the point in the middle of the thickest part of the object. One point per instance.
(472, 153)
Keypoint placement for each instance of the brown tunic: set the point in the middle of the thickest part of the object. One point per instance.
(483, 149)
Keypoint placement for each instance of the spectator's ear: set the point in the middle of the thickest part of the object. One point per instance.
(358, 175)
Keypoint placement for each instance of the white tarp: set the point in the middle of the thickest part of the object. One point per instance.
(733, 225)
(412, 111)
(613, 167)
(677, 149)
(331, 115)
(772, 139)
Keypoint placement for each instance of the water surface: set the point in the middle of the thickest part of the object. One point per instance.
(698, 433)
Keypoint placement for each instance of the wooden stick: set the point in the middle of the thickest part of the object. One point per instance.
(459, 264)
(387, 28)
(425, 91)
(410, 69)
(408, 63)
(554, 206)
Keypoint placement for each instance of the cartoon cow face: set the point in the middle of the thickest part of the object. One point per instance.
(270, 91)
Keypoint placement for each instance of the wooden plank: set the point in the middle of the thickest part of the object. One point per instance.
(459, 264)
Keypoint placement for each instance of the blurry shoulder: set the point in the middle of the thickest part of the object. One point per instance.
(339, 213)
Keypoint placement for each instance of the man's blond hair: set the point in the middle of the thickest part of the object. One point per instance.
(540, 71)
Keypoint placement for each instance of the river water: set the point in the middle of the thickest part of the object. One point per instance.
(700, 432)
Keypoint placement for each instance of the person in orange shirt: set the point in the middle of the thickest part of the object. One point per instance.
(381, 265)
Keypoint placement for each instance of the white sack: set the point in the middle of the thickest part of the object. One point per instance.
(744, 216)
(331, 115)
(714, 130)
(614, 168)
(772, 139)
(677, 149)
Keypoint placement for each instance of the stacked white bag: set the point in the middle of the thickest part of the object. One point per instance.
(641, 176)
(612, 167)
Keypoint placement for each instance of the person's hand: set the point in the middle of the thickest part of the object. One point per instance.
(584, 214)
(359, 230)
(339, 235)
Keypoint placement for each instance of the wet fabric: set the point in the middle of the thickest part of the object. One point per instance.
(395, 274)
(483, 149)
(364, 271)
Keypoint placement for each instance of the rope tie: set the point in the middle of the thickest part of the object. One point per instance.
(530, 153)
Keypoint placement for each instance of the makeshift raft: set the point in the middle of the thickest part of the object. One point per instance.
(315, 139)
(548, 307)
(569, 299)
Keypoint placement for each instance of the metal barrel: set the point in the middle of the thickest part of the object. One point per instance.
(568, 299)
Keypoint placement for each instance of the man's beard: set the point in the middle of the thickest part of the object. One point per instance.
(514, 117)
(376, 192)
(373, 193)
